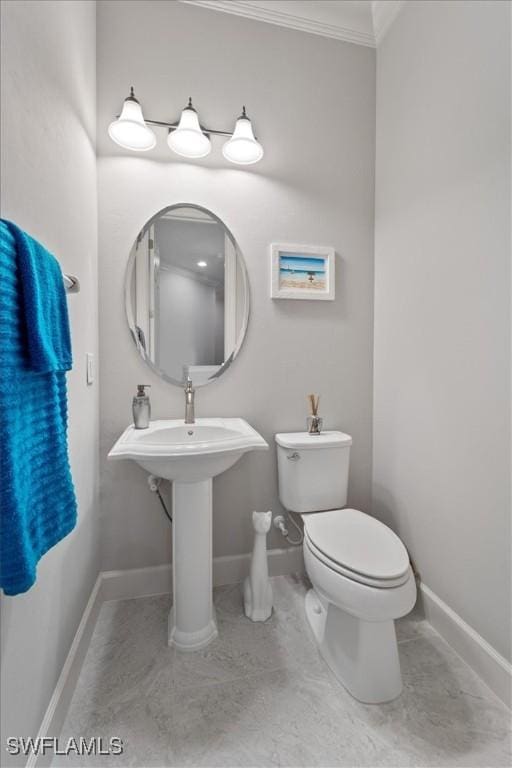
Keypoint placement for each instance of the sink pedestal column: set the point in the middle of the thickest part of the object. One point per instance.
(192, 618)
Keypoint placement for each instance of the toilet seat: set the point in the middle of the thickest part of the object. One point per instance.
(354, 575)
(358, 547)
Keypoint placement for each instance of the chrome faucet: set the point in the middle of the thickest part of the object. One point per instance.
(189, 402)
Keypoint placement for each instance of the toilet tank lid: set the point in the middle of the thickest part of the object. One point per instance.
(305, 441)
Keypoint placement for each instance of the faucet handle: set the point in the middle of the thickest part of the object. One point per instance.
(188, 385)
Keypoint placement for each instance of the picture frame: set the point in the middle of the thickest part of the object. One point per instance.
(302, 272)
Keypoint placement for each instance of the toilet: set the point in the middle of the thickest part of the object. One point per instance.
(360, 570)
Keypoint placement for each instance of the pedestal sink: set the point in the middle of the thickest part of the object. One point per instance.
(190, 455)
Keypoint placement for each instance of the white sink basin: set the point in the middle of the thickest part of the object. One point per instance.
(188, 453)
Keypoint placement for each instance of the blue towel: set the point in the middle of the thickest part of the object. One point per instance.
(38, 505)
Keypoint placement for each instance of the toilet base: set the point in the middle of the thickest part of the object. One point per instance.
(362, 654)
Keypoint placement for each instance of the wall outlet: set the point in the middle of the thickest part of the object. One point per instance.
(90, 367)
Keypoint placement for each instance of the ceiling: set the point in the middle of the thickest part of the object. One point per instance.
(364, 22)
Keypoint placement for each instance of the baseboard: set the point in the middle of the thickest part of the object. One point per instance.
(488, 664)
(59, 703)
(231, 569)
(228, 569)
(139, 582)
(136, 582)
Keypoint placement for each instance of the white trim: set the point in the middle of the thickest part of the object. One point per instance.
(139, 582)
(384, 12)
(488, 664)
(292, 21)
(232, 569)
(136, 582)
(56, 711)
(228, 569)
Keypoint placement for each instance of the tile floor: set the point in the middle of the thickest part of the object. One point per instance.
(260, 695)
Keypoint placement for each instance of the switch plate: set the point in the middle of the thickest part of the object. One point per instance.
(90, 367)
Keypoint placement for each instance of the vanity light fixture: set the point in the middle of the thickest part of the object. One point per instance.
(188, 138)
(202, 264)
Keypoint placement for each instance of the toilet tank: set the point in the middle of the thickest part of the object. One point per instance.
(313, 470)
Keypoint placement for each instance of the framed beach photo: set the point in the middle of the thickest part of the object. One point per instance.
(302, 272)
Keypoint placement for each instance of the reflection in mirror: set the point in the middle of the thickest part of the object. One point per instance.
(187, 297)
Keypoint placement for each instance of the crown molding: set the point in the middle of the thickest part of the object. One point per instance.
(293, 21)
(384, 12)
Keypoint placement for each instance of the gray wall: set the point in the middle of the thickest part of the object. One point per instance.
(442, 289)
(306, 190)
(49, 188)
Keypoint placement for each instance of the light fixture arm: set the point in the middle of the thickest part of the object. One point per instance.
(164, 124)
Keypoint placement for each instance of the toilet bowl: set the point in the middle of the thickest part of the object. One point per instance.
(357, 594)
(359, 568)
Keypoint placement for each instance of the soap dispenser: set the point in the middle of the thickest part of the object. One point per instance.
(141, 407)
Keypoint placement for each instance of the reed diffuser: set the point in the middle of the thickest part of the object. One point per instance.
(314, 421)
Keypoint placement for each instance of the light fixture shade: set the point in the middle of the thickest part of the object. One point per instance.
(187, 139)
(242, 148)
(130, 130)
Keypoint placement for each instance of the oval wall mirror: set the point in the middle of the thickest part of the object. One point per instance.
(187, 295)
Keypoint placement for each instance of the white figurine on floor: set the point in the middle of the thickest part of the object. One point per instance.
(257, 587)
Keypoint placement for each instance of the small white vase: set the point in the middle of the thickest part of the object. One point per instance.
(257, 587)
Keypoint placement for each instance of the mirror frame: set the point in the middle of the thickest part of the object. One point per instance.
(129, 309)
